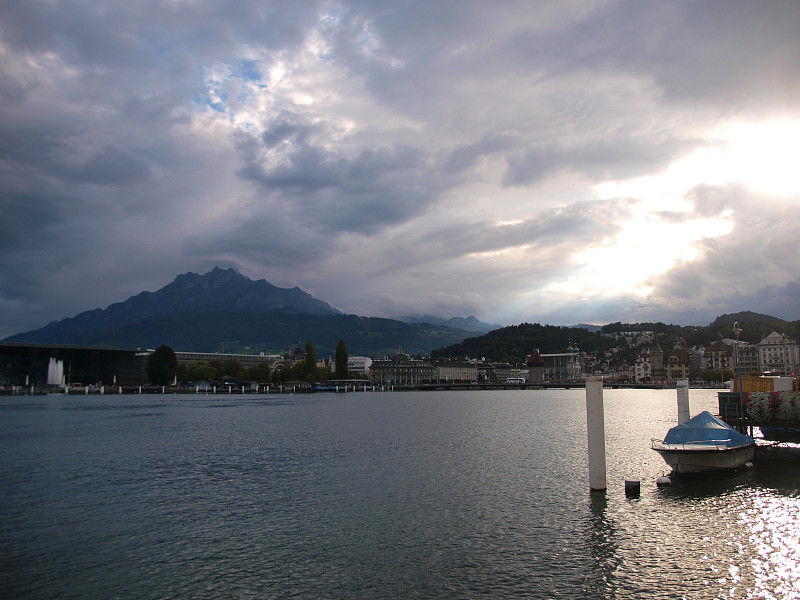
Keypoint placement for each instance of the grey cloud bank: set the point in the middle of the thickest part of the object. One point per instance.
(555, 162)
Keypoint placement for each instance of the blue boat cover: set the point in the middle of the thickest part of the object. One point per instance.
(705, 427)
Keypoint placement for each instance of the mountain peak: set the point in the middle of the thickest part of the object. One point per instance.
(219, 290)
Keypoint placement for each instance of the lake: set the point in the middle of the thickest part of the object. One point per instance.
(479, 494)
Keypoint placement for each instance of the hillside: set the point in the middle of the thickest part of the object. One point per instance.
(513, 344)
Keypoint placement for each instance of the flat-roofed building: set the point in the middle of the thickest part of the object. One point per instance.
(456, 370)
(402, 370)
(248, 360)
(359, 364)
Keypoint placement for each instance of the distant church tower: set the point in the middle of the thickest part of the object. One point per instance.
(535, 367)
(657, 371)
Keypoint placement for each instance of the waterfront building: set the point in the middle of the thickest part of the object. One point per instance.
(657, 371)
(535, 367)
(248, 360)
(456, 370)
(641, 368)
(24, 364)
(676, 364)
(778, 353)
(485, 370)
(717, 356)
(504, 371)
(359, 364)
(748, 356)
(563, 366)
(402, 370)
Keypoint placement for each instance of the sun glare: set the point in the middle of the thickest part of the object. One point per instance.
(759, 155)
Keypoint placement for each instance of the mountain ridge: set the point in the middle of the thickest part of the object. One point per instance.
(225, 310)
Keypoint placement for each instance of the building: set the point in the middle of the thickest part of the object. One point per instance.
(564, 366)
(455, 370)
(657, 371)
(38, 365)
(676, 364)
(717, 356)
(359, 364)
(535, 364)
(641, 368)
(248, 360)
(777, 353)
(504, 371)
(747, 356)
(402, 370)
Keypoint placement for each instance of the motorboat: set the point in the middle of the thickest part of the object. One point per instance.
(704, 443)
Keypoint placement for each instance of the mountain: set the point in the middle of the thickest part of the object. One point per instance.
(224, 310)
(217, 290)
(467, 324)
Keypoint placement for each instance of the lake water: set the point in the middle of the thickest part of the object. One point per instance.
(377, 495)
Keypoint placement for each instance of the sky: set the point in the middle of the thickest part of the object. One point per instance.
(546, 162)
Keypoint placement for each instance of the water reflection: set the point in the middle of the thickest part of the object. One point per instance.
(603, 548)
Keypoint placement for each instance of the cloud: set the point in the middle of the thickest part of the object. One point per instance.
(554, 162)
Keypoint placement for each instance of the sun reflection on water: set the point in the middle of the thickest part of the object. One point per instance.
(761, 530)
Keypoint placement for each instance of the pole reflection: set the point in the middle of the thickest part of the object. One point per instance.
(602, 541)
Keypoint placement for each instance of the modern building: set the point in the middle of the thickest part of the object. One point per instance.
(359, 364)
(38, 365)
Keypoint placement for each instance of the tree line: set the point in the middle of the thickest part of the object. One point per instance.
(163, 368)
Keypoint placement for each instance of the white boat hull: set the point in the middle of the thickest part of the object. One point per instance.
(699, 458)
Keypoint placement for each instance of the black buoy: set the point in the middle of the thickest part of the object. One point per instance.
(632, 489)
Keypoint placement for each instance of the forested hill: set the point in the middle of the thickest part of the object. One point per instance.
(513, 344)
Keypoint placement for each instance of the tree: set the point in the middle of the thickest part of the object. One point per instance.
(341, 360)
(261, 373)
(162, 366)
(201, 370)
(311, 361)
(230, 367)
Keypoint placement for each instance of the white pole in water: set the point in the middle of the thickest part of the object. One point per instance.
(682, 385)
(595, 427)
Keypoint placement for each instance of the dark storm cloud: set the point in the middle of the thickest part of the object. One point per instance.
(446, 149)
(375, 188)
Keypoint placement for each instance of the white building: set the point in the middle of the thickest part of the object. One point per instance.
(359, 364)
(453, 370)
(776, 352)
(641, 368)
